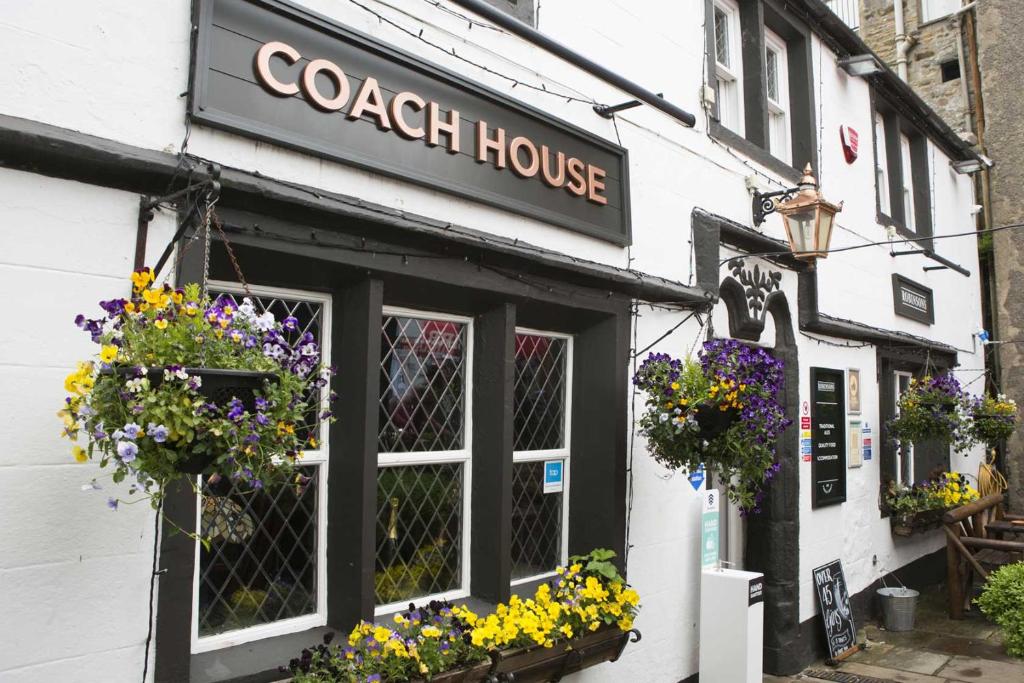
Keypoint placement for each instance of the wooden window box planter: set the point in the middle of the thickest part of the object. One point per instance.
(538, 664)
(910, 523)
(474, 674)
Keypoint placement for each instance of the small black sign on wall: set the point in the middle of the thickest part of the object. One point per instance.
(912, 300)
(828, 436)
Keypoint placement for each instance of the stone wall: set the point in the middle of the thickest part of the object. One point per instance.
(1000, 25)
(933, 44)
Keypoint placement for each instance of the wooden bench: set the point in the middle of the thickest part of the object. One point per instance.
(976, 543)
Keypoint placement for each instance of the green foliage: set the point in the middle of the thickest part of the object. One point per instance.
(598, 562)
(1002, 601)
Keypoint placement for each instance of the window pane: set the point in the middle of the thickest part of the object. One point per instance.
(419, 531)
(536, 522)
(771, 61)
(722, 37)
(539, 392)
(422, 385)
(262, 562)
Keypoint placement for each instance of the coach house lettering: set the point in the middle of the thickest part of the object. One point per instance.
(415, 118)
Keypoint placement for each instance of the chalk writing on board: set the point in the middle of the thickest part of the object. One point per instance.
(834, 603)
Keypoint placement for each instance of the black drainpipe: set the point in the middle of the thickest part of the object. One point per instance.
(534, 36)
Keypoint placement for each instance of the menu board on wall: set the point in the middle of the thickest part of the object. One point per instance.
(828, 437)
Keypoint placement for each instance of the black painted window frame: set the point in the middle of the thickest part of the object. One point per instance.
(894, 126)
(755, 16)
(927, 455)
(599, 324)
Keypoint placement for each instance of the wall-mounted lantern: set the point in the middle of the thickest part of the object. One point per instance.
(807, 215)
(861, 66)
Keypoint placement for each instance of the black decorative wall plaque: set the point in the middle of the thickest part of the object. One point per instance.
(912, 300)
(828, 437)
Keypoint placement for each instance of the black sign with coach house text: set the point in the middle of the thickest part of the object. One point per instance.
(274, 71)
(828, 435)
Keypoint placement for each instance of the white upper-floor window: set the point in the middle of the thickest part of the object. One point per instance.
(728, 65)
(936, 9)
(909, 219)
(881, 166)
(776, 65)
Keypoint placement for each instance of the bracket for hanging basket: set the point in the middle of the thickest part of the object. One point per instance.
(147, 204)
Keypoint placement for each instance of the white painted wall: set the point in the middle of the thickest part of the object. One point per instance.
(73, 576)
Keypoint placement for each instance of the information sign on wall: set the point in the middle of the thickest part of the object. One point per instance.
(278, 72)
(828, 437)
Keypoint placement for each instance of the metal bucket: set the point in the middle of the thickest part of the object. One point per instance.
(898, 608)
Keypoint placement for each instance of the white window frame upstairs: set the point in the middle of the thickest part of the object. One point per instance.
(462, 456)
(778, 107)
(909, 216)
(555, 453)
(881, 166)
(729, 76)
(932, 10)
(319, 458)
(909, 451)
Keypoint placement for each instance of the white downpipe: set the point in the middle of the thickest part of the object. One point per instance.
(957, 22)
(901, 41)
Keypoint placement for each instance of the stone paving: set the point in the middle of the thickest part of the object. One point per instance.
(938, 650)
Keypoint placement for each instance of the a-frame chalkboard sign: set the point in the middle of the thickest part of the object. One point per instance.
(834, 603)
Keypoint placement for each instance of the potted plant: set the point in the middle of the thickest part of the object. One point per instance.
(933, 408)
(582, 617)
(993, 419)
(184, 385)
(919, 508)
(721, 410)
(425, 643)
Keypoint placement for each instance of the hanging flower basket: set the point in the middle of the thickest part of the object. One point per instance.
(721, 410)
(713, 421)
(934, 408)
(993, 419)
(184, 385)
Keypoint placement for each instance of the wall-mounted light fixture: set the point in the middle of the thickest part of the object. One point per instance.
(807, 215)
(861, 65)
(968, 166)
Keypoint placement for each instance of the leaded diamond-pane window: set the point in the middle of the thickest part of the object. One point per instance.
(722, 37)
(423, 385)
(539, 407)
(260, 565)
(541, 437)
(419, 531)
(771, 62)
(536, 522)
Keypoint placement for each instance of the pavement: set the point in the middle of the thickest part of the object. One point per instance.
(938, 650)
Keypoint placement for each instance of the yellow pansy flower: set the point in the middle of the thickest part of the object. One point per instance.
(108, 353)
(80, 454)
